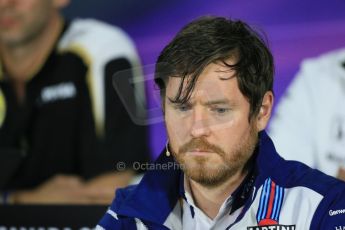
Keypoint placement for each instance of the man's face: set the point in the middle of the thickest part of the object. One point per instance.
(210, 135)
(23, 20)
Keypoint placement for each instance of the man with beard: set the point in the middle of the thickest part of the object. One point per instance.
(63, 127)
(221, 169)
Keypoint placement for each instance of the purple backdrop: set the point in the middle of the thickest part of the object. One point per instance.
(295, 30)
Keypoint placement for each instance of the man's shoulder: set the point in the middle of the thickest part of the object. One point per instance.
(307, 192)
(297, 174)
(83, 30)
(324, 62)
(95, 38)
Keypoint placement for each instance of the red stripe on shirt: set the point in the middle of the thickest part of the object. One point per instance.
(270, 204)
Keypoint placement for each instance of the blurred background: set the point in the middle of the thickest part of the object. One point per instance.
(295, 29)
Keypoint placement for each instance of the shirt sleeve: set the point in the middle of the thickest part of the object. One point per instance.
(125, 140)
(292, 126)
(107, 50)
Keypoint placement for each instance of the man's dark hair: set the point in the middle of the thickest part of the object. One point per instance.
(215, 39)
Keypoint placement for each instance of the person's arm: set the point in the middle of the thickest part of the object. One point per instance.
(121, 141)
(124, 143)
(61, 189)
(101, 189)
(67, 189)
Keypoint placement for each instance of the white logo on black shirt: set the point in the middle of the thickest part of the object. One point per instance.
(57, 92)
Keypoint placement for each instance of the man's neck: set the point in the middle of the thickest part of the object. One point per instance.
(210, 199)
(24, 60)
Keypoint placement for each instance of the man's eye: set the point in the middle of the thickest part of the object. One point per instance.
(183, 107)
(220, 110)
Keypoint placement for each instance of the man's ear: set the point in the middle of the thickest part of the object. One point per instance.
(265, 111)
(59, 4)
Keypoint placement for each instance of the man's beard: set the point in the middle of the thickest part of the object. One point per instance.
(200, 168)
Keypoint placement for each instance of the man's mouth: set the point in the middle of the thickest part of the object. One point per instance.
(199, 152)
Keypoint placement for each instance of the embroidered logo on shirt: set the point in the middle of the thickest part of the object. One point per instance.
(57, 92)
(271, 200)
(336, 212)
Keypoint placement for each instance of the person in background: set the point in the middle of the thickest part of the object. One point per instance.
(309, 125)
(219, 169)
(58, 109)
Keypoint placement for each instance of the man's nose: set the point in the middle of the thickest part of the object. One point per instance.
(200, 123)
